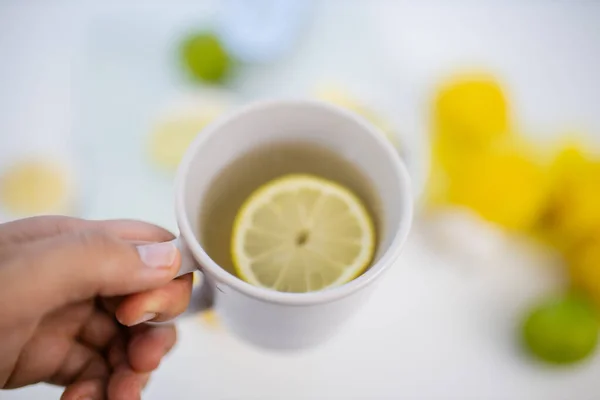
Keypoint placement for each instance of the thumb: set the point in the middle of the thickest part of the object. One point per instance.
(48, 274)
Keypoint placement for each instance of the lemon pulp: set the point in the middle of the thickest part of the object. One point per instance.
(302, 233)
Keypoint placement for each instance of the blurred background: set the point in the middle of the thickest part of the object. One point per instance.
(492, 105)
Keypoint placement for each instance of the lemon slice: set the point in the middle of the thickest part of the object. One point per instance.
(301, 233)
(36, 186)
(172, 137)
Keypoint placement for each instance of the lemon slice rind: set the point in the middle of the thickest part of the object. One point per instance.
(263, 197)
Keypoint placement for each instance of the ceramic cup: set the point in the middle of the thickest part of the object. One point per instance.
(266, 317)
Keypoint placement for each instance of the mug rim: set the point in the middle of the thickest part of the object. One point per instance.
(206, 263)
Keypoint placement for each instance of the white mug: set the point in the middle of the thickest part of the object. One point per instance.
(266, 317)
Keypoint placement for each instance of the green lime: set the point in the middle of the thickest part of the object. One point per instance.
(205, 58)
(561, 330)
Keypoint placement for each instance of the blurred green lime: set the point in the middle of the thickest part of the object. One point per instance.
(205, 58)
(561, 330)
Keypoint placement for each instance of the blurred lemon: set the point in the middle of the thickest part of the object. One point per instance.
(574, 210)
(471, 111)
(584, 266)
(469, 115)
(34, 187)
(343, 99)
(182, 118)
(476, 160)
(172, 137)
(569, 159)
(205, 57)
(209, 318)
(506, 186)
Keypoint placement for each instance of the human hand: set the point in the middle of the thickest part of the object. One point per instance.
(64, 284)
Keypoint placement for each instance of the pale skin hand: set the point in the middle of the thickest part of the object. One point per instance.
(73, 296)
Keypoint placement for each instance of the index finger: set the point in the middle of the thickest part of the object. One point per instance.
(35, 228)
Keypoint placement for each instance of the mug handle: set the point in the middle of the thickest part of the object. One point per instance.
(188, 264)
(202, 294)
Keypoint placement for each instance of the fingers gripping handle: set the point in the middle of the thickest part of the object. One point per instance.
(188, 264)
(202, 294)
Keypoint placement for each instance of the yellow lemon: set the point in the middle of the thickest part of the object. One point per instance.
(584, 267)
(470, 115)
(471, 111)
(574, 211)
(34, 187)
(567, 163)
(302, 233)
(507, 187)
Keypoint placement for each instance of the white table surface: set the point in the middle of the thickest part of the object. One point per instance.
(439, 326)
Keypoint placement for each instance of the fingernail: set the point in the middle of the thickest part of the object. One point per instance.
(145, 318)
(158, 255)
